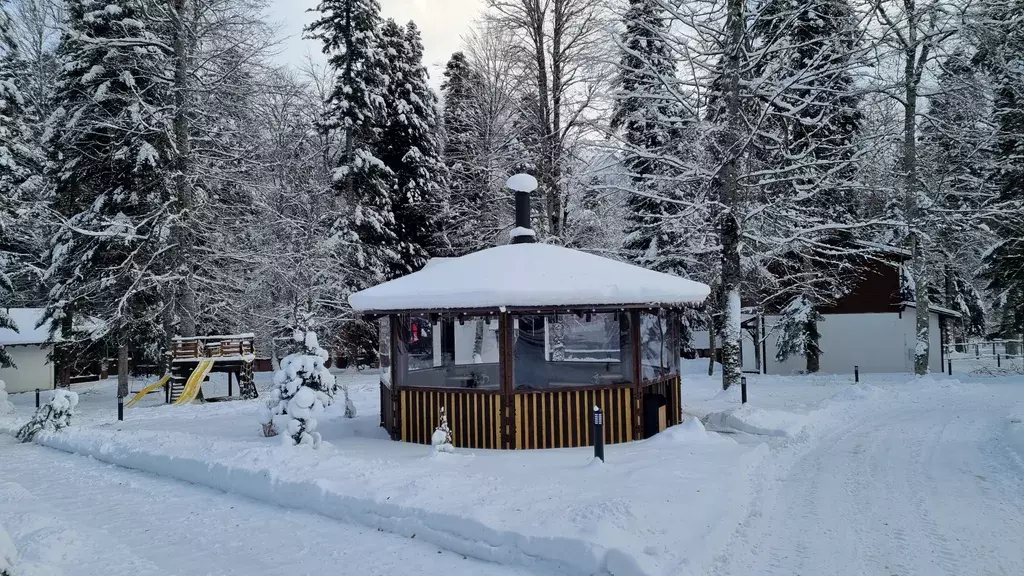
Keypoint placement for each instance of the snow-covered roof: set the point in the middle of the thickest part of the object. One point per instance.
(25, 319)
(933, 307)
(528, 275)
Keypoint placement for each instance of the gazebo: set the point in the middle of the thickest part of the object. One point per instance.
(519, 342)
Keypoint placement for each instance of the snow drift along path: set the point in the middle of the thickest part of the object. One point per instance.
(74, 516)
(930, 489)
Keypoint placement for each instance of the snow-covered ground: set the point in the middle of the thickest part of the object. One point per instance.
(815, 475)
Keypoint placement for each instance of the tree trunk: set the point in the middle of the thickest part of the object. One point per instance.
(727, 184)
(478, 342)
(122, 364)
(912, 204)
(813, 349)
(186, 304)
(66, 348)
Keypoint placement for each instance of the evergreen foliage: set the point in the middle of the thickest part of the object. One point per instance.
(654, 125)
(303, 387)
(53, 416)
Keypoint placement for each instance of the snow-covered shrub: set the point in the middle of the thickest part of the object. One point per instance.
(8, 554)
(442, 438)
(303, 387)
(52, 416)
(5, 405)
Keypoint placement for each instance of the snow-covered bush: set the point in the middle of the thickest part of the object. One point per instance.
(8, 554)
(303, 387)
(442, 438)
(52, 416)
(5, 405)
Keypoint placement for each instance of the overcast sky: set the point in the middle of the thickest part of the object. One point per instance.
(442, 22)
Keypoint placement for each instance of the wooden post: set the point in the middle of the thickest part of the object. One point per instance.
(856, 374)
(506, 378)
(229, 384)
(949, 363)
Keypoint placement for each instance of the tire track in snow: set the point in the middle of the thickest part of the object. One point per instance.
(897, 493)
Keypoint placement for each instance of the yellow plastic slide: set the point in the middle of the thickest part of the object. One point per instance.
(195, 383)
(147, 390)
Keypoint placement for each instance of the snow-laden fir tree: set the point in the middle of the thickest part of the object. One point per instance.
(53, 416)
(956, 168)
(442, 437)
(350, 33)
(410, 146)
(653, 125)
(17, 164)
(303, 387)
(465, 156)
(109, 159)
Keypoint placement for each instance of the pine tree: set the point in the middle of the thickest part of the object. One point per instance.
(653, 125)
(110, 159)
(1004, 262)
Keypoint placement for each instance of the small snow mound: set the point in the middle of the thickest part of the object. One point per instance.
(691, 431)
(856, 393)
(8, 554)
(756, 421)
(5, 405)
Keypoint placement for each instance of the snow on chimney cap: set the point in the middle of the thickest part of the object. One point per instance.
(522, 183)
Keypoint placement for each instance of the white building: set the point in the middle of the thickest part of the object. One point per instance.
(29, 348)
(872, 327)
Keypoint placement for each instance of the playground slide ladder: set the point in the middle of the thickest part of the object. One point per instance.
(195, 382)
(151, 388)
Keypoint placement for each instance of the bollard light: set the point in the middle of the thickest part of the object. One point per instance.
(598, 433)
(743, 389)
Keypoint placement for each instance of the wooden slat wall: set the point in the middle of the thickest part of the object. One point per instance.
(473, 417)
(561, 419)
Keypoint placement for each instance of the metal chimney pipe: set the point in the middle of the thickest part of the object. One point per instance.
(522, 184)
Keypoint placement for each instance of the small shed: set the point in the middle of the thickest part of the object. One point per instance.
(29, 348)
(519, 342)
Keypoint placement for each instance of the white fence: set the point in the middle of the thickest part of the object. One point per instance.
(985, 356)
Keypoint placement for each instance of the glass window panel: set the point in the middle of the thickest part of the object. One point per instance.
(449, 353)
(568, 351)
(657, 358)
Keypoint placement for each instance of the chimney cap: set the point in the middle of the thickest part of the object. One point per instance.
(522, 183)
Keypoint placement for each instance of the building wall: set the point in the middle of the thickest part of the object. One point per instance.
(33, 370)
(882, 342)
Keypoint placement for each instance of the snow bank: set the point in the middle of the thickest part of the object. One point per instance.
(756, 421)
(542, 510)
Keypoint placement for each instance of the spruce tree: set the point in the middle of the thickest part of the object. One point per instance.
(349, 30)
(463, 155)
(410, 147)
(110, 162)
(12, 168)
(1004, 262)
(653, 123)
